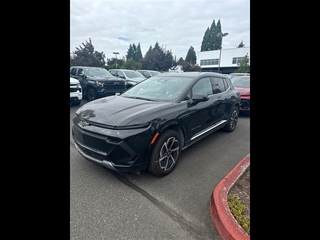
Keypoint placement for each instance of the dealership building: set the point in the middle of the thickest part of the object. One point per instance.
(229, 59)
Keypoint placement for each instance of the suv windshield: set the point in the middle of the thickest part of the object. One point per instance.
(241, 82)
(133, 74)
(95, 72)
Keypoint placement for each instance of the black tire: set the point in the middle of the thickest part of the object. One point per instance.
(91, 94)
(233, 120)
(165, 153)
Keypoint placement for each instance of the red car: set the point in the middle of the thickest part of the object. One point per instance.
(242, 84)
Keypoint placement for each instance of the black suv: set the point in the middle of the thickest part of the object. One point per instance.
(97, 82)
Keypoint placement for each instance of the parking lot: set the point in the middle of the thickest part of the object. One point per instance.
(107, 205)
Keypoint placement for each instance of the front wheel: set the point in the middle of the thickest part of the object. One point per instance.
(233, 120)
(91, 94)
(165, 153)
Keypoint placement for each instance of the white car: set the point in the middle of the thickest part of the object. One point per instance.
(75, 91)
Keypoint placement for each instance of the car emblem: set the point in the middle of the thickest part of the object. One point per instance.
(116, 83)
(84, 123)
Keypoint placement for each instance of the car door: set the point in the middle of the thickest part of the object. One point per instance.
(221, 98)
(198, 116)
(80, 75)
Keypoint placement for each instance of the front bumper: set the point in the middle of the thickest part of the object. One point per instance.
(119, 150)
(245, 104)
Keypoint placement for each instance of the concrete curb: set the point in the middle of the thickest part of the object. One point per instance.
(226, 224)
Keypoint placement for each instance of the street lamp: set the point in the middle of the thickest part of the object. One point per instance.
(221, 35)
(116, 53)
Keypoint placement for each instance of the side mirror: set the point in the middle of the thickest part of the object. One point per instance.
(199, 97)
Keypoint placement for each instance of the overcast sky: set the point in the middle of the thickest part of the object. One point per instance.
(112, 25)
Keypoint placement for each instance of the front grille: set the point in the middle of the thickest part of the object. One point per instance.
(245, 104)
(75, 89)
(114, 86)
(101, 147)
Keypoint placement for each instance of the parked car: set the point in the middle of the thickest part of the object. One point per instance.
(97, 82)
(132, 77)
(75, 92)
(242, 84)
(149, 125)
(231, 75)
(148, 73)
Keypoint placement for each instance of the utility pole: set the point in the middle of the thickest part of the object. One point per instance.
(221, 35)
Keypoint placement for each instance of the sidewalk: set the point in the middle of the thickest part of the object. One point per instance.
(226, 224)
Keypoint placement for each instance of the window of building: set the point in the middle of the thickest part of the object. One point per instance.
(209, 62)
(237, 60)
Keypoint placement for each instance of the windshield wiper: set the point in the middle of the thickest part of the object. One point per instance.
(147, 99)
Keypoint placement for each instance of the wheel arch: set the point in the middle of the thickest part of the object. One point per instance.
(177, 126)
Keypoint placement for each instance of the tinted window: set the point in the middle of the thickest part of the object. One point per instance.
(218, 85)
(203, 86)
(80, 71)
(120, 74)
(73, 71)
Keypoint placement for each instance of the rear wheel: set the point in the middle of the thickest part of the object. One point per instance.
(91, 94)
(233, 120)
(165, 153)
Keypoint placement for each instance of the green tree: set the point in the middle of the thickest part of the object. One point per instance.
(134, 52)
(206, 40)
(85, 55)
(211, 40)
(244, 65)
(157, 58)
(217, 39)
(191, 56)
(240, 45)
(138, 56)
(112, 63)
(180, 61)
(130, 52)
(131, 64)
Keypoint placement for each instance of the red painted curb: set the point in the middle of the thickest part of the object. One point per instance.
(226, 224)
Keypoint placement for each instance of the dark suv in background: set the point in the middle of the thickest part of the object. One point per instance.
(97, 82)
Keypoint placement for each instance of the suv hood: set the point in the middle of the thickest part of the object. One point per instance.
(73, 80)
(116, 111)
(136, 79)
(105, 78)
(243, 90)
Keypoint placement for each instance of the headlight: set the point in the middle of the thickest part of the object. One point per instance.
(99, 83)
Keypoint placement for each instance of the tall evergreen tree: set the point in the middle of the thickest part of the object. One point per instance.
(218, 40)
(240, 45)
(138, 53)
(134, 49)
(180, 61)
(212, 38)
(205, 40)
(191, 56)
(130, 52)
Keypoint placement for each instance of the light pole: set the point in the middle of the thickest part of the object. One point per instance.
(116, 53)
(221, 35)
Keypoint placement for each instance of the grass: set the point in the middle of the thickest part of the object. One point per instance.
(237, 209)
